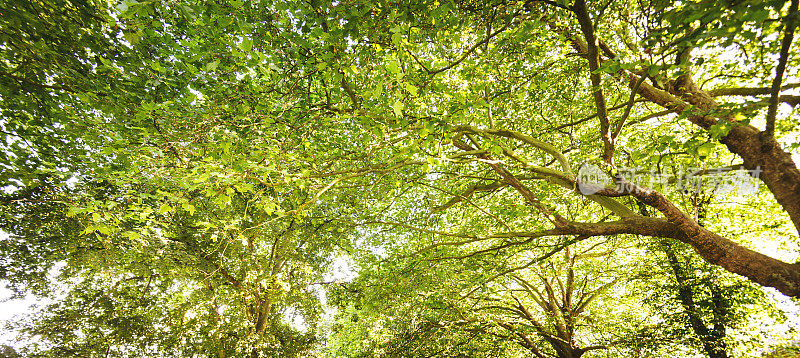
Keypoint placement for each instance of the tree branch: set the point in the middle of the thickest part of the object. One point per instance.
(788, 34)
(472, 49)
(748, 91)
(584, 119)
(593, 56)
(627, 109)
(547, 148)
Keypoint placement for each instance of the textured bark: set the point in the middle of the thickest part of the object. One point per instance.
(715, 249)
(761, 154)
(263, 314)
(759, 268)
(748, 91)
(788, 35)
(778, 170)
(262, 311)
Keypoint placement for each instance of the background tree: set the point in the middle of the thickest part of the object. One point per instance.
(541, 309)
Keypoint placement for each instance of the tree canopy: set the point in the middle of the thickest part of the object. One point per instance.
(499, 178)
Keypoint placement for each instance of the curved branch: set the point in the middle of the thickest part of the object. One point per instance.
(748, 91)
(546, 147)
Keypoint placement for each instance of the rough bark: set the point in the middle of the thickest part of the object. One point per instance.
(264, 309)
(715, 249)
(761, 153)
(759, 268)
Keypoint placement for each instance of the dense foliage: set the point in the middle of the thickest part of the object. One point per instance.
(499, 178)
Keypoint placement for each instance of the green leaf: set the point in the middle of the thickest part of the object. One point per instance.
(705, 150)
(411, 89)
(393, 67)
(132, 37)
(397, 39)
(246, 45)
(165, 208)
(157, 66)
(103, 229)
(398, 107)
(211, 66)
(720, 129)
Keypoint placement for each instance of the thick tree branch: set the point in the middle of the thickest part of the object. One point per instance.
(759, 268)
(546, 147)
(515, 183)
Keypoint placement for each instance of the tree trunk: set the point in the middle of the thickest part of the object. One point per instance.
(264, 309)
(713, 343)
